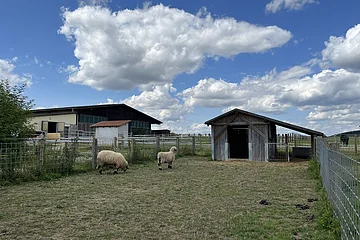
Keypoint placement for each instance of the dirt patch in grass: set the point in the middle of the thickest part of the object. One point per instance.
(197, 199)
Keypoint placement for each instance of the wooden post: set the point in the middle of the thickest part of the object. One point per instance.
(157, 145)
(122, 142)
(178, 144)
(115, 143)
(287, 152)
(355, 144)
(193, 145)
(200, 137)
(94, 152)
(313, 146)
(132, 149)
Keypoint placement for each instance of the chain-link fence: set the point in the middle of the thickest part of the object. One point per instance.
(341, 179)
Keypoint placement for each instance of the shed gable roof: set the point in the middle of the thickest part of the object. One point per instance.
(116, 123)
(270, 120)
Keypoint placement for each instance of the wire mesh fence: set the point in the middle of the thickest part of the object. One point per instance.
(29, 159)
(341, 179)
(288, 147)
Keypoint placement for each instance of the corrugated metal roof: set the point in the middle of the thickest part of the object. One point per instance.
(116, 123)
(276, 122)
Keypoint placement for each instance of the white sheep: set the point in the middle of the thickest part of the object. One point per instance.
(116, 159)
(166, 157)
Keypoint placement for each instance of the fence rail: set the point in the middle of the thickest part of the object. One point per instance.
(39, 156)
(341, 180)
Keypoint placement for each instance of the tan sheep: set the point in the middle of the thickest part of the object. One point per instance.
(116, 159)
(166, 157)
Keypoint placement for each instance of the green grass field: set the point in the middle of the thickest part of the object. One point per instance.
(197, 199)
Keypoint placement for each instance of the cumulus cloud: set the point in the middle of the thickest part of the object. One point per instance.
(340, 113)
(253, 93)
(159, 103)
(70, 69)
(344, 52)
(275, 92)
(184, 127)
(292, 5)
(7, 72)
(132, 48)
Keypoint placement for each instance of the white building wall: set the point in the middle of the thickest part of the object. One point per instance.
(123, 131)
(109, 133)
(66, 118)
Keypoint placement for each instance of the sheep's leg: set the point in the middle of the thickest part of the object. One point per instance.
(170, 165)
(159, 163)
(116, 169)
(97, 167)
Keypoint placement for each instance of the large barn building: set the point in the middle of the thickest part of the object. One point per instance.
(78, 119)
(239, 134)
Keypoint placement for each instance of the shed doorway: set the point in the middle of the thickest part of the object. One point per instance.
(238, 142)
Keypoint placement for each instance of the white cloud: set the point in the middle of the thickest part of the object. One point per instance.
(184, 127)
(158, 103)
(344, 113)
(71, 69)
(294, 5)
(275, 92)
(36, 61)
(132, 48)
(93, 2)
(14, 59)
(7, 72)
(260, 94)
(109, 101)
(344, 52)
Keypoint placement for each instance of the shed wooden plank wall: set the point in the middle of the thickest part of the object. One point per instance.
(219, 130)
(258, 142)
(219, 143)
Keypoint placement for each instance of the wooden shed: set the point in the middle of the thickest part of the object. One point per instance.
(239, 134)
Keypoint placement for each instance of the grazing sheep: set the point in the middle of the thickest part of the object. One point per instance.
(166, 157)
(107, 157)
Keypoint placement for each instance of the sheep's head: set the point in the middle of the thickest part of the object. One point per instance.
(173, 149)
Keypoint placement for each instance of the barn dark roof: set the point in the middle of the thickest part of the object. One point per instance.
(75, 109)
(270, 120)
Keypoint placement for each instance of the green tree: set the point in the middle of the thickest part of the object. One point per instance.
(15, 112)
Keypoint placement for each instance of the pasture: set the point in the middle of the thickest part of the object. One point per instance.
(197, 199)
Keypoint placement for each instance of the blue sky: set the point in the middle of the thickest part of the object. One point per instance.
(185, 62)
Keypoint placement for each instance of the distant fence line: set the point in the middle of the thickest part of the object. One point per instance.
(341, 180)
(40, 156)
